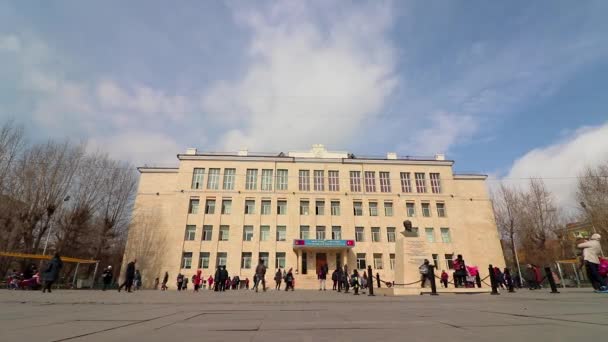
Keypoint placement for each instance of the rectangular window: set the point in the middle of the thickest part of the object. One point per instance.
(336, 233)
(207, 233)
(370, 181)
(436, 260)
(373, 208)
(319, 180)
(281, 180)
(249, 207)
(304, 207)
(281, 207)
(390, 234)
(320, 233)
(193, 206)
(229, 175)
(210, 206)
(392, 260)
(281, 233)
(435, 183)
(226, 207)
(334, 180)
(335, 208)
(449, 261)
(378, 261)
(388, 208)
(187, 260)
(359, 234)
(320, 207)
(355, 181)
(385, 182)
(361, 264)
(221, 259)
(430, 234)
(248, 233)
(190, 233)
(420, 182)
(213, 179)
(411, 209)
(264, 233)
(304, 232)
(357, 208)
(197, 178)
(445, 235)
(375, 234)
(264, 256)
(224, 233)
(267, 180)
(203, 260)
(280, 260)
(406, 182)
(426, 209)
(441, 210)
(251, 179)
(266, 207)
(246, 260)
(304, 180)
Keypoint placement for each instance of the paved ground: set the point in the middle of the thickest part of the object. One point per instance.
(302, 315)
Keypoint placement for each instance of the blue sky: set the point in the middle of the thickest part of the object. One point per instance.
(514, 89)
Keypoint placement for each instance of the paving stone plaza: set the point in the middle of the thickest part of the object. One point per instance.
(305, 315)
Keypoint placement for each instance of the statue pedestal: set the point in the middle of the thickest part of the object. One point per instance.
(410, 252)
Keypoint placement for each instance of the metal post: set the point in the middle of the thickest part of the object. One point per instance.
(94, 275)
(493, 281)
(578, 280)
(433, 285)
(370, 283)
(551, 280)
(75, 274)
(521, 278)
(561, 275)
(378, 279)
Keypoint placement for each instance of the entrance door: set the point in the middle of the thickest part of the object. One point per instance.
(321, 261)
(304, 263)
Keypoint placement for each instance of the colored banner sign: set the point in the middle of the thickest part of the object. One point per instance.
(324, 243)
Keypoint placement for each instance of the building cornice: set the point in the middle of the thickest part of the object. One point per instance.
(151, 169)
(287, 159)
(469, 176)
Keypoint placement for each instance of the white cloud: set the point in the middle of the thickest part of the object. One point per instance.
(445, 130)
(10, 43)
(139, 147)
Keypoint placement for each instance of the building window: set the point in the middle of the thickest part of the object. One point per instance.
(336, 233)
(406, 182)
(320, 207)
(213, 179)
(375, 234)
(388, 208)
(359, 234)
(193, 206)
(357, 208)
(281, 233)
(390, 234)
(449, 262)
(304, 232)
(210, 206)
(435, 183)
(251, 179)
(267, 180)
(355, 181)
(420, 182)
(411, 209)
(281, 180)
(249, 207)
(378, 261)
(246, 260)
(385, 182)
(226, 207)
(361, 261)
(441, 210)
(248, 233)
(304, 180)
(229, 179)
(207, 233)
(392, 260)
(373, 208)
(221, 259)
(203, 260)
(445, 235)
(426, 209)
(197, 178)
(266, 208)
(320, 233)
(190, 233)
(319, 180)
(280, 260)
(281, 207)
(304, 207)
(334, 180)
(224, 233)
(264, 233)
(436, 260)
(187, 260)
(335, 208)
(430, 234)
(264, 256)
(370, 181)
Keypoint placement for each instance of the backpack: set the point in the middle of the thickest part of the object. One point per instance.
(603, 268)
(424, 269)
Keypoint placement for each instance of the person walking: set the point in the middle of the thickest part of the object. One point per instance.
(322, 276)
(180, 281)
(106, 277)
(210, 282)
(460, 271)
(165, 281)
(218, 279)
(225, 276)
(289, 279)
(354, 282)
(339, 272)
(500, 278)
(51, 274)
(334, 279)
(345, 280)
(278, 277)
(260, 273)
(424, 271)
(129, 276)
(197, 280)
(444, 279)
(591, 253)
(185, 284)
(137, 280)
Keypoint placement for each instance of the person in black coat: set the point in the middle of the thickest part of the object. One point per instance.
(217, 279)
(224, 276)
(334, 278)
(51, 274)
(106, 276)
(339, 278)
(129, 276)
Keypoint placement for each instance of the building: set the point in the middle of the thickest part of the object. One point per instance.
(301, 210)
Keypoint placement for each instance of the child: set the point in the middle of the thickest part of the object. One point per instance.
(354, 282)
(444, 279)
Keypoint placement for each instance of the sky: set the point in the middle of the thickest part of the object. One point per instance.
(510, 89)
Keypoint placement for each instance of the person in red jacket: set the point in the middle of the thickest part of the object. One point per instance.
(197, 280)
(444, 278)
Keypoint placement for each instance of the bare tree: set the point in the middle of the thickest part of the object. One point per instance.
(593, 191)
(508, 206)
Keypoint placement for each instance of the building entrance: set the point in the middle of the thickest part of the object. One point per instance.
(321, 261)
